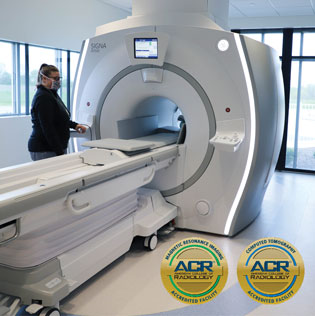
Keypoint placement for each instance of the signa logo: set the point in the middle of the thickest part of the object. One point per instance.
(96, 47)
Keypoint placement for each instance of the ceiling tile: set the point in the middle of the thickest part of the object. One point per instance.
(123, 4)
(251, 8)
(251, 3)
(290, 3)
(260, 13)
(254, 8)
(235, 13)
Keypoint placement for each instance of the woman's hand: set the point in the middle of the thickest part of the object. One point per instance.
(80, 129)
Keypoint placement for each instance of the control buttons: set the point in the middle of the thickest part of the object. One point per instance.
(223, 45)
(227, 141)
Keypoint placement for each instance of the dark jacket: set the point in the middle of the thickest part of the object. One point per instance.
(51, 122)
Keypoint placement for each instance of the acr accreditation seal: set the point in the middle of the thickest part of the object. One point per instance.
(270, 270)
(194, 270)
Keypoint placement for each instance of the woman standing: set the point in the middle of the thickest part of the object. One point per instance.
(50, 117)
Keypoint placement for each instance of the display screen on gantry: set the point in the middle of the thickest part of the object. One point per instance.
(146, 47)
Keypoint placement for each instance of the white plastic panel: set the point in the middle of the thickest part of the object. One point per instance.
(145, 7)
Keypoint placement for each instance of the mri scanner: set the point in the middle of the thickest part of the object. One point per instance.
(185, 126)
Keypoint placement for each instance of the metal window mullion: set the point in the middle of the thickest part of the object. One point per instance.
(68, 81)
(297, 118)
(58, 54)
(27, 80)
(58, 59)
(298, 104)
(13, 88)
(18, 79)
(286, 63)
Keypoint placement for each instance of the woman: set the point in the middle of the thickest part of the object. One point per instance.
(50, 117)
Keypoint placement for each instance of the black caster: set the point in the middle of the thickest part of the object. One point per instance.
(50, 311)
(38, 310)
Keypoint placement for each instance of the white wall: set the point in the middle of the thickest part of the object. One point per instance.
(15, 132)
(59, 23)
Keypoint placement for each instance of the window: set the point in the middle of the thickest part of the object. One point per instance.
(255, 36)
(21, 81)
(6, 78)
(19, 65)
(308, 44)
(62, 66)
(274, 40)
(38, 56)
(74, 59)
(296, 46)
(300, 149)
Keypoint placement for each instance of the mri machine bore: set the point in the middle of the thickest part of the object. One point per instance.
(186, 124)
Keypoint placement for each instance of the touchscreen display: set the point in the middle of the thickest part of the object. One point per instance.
(146, 47)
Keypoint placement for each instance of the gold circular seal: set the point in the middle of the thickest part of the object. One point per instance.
(194, 270)
(270, 270)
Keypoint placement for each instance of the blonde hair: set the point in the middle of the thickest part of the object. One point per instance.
(45, 70)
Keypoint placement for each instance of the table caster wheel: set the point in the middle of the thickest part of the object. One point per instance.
(50, 311)
(150, 242)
